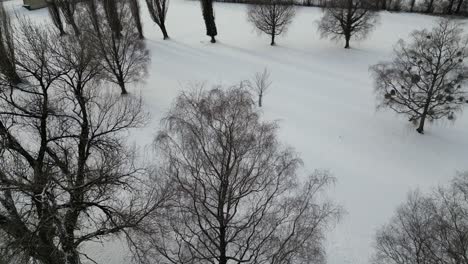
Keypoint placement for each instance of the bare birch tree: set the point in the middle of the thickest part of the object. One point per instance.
(260, 84)
(428, 228)
(239, 199)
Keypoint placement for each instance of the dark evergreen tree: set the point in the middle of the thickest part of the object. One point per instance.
(54, 13)
(135, 10)
(7, 49)
(68, 8)
(208, 16)
(426, 80)
(113, 17)
(158, 11)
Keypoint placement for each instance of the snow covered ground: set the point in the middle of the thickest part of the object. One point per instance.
(322, 95)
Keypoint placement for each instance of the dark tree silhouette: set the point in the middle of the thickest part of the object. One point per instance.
(412, 4)
(428, 6)
(68, 8)
(113, 16)
(158, 11)
(426, 80)
(208, 16)
(7, 49)
(271, 17)
(54, 13)
(347, 19)
(135, 10)
(459, 5)
(238, 197)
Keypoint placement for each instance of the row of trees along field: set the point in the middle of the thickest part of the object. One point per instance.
(441, 7)
(424, 81)
(221, 188)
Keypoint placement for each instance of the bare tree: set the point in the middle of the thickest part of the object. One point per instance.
(239, 199)
(124, 58)
(68, 8)
(271, 17)
(7, 49)
(429, 229)
(347, 19)
(208, 16)
(260, 84)
(135, 10)
(67, 176)
(158, 11)
(426, 78)
(55, 15)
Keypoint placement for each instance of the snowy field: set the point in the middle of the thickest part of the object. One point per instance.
(322, 96)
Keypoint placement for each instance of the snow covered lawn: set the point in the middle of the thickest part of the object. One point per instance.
(322, 96)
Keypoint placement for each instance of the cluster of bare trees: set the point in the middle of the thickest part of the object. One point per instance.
(225, 190)
(426, 80)
(430, 228)
(67, 175)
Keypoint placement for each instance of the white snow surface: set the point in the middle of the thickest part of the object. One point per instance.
(322, 96)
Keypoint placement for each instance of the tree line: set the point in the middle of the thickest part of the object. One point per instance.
(438, 7)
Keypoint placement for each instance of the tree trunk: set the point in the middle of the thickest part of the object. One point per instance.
(412, 5)
(450, 7)
(273, 39)
(164, 31)
(208, 16)
(422, 120)
(122, 87)
(430, 6)
(75, 28)
(260, 97)
(460, 2)
(15, 79)
(347, 42)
